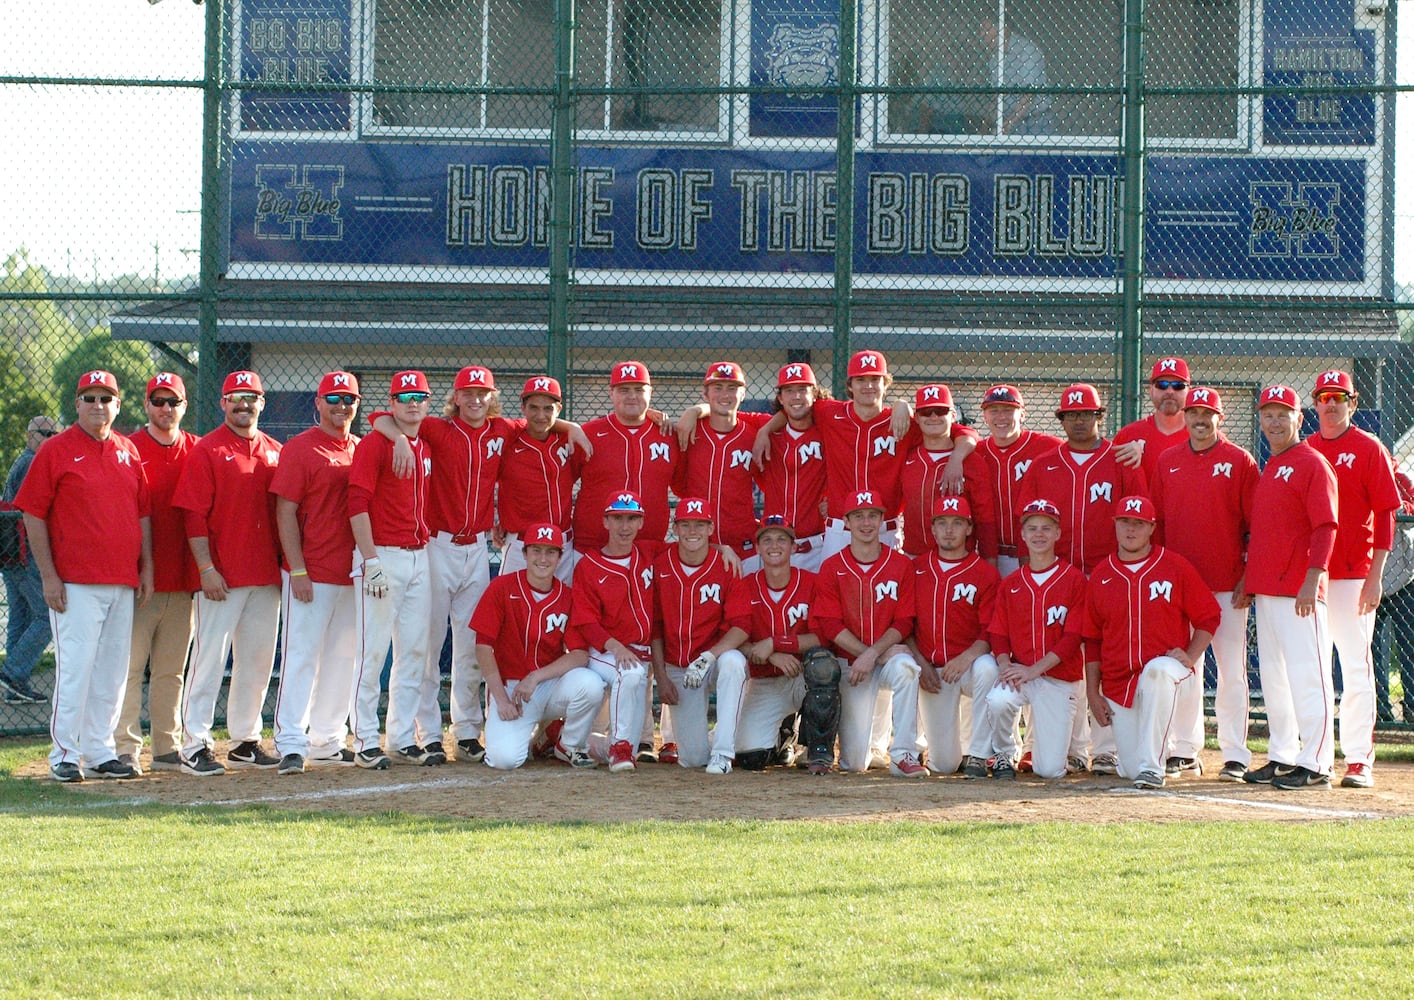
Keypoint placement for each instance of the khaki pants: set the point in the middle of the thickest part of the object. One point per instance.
(161, 638)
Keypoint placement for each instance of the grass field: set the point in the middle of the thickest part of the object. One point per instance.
(155, 901)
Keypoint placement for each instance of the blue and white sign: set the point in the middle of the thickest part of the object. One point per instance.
(290, 43)
(1314, 43)
(794, 43)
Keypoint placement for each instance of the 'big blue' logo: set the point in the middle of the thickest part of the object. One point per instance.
(298, 202)
(1301, 224)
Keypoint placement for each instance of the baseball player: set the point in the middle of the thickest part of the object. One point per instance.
(1035, 637)
(1202, 494)
(611, 615)
(781, 595)
(701, 619)
(318, 649)
(162, 626)
(86, 511)
(1288, 556)
(536, 484)
(389, 518)
(230, 524)
(1149, 617)
(922, 477)
(532, 676)
(1367, 500)
(793, 481)
(955, 593)
(1139, 445)
(864, 608)
(1007, 453)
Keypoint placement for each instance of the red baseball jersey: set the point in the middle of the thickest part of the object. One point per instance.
(694, 606)
(314, 474)
(1156, 442)
(174, 568)
(225, 491)
(1040, 613)
(1294, 522)
(1368, 499)
(396, 508)
(793, 481)
(717, 467)
(782, 616)
(612, 599)
(866, 599)
(922, 482)
(536, 484)
(1005, 467)
(1204, 505)
(953, 604)
(1137, 611)
(527, 628)
(92, 496)
(642, 459)
(1087, 493)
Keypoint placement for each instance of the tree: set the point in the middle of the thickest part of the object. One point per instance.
(126, 359)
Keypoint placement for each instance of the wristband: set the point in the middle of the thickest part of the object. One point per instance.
(299, 572)
(202, 569)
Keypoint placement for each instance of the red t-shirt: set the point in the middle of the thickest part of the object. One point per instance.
(694, 606)
(953, 606)
(1137, 611)
(642, 459)
(717, 467)
(174, 568)
(793, 481)
(1005, 468)
(922, 481)
(1034, 617)
(396, 508)
(1293, 523)
(868, 600)
(314, 474)
(1156, 442)
(612, 599)
(225, 491)
(528, 629)
(1368, 499)
(92, 496)
(782, 617)
(536, 484)
(1087, 494)
(1204, 504)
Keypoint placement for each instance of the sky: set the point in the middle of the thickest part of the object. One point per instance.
(97, 182)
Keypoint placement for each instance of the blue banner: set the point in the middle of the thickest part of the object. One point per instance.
(1314, 43)
(293, 42)
(794, 43)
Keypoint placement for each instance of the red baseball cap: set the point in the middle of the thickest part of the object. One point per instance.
(1175, 368)
(1201, 397)
(242, 381)
(409, 381)
(795, 373)
(542, 385)
(338, 382)
(1137, 507)
(1282, 395)
(98, 379)
(624, 502)
(544, 534)
(952, 507)
(1081, 397)
(1043, 508)
(867, 363)
(474, 377)
(863, 500)
(774, 522)
(167, 380)
(693, 509)
(1334, 381)
(629, 372)
(935, 394)
(1002, 395)
(724, 371)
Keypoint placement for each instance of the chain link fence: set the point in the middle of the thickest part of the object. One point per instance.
(1030, 191)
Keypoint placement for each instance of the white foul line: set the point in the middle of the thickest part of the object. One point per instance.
(1251, 804)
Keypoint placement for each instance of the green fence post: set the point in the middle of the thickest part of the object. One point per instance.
(1132, 155)
(561, 198)
(208, 374)
(844, 200)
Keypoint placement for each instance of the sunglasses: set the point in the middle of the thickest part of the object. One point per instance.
(1169, 383)
(1332, 396)
(411, 397)
(933, 411)
(341, 399)
(97, 399)
(42, 432)
(242, 397)
(171, 401)
(775, 521)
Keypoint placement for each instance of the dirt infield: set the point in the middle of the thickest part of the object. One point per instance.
(551, 792)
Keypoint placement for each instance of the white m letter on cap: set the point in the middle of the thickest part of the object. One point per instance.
(628, 371)
(1075, 397)
(1134, 504)
(163, 378)
(625, 498)
(408, 379)
(794, 371)
(1330, 378)
(930, 392)
(1200, 395)
(541, 383)
(545, 533)
(950, 503)
(243, 378)
(868, 361)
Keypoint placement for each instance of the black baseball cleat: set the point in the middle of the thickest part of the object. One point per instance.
(1267, 773)
(1301, 777)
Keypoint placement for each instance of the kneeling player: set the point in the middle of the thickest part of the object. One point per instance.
(701, 620)
(1035, 636)
(954, 592)
(1148, 620)
(521, 624)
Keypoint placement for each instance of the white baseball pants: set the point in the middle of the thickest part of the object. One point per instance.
(767, 702)
(92, 638)
(624, 696)
(1231, 705)
(1054, 705)
(1351, 635)
(459, 575)
(728, 678)
(942, 716)
(318, 660)
(1294, 663)
(1142, 730)
(897, 676)
(399, 617)
(244, 625)
(575, 696)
